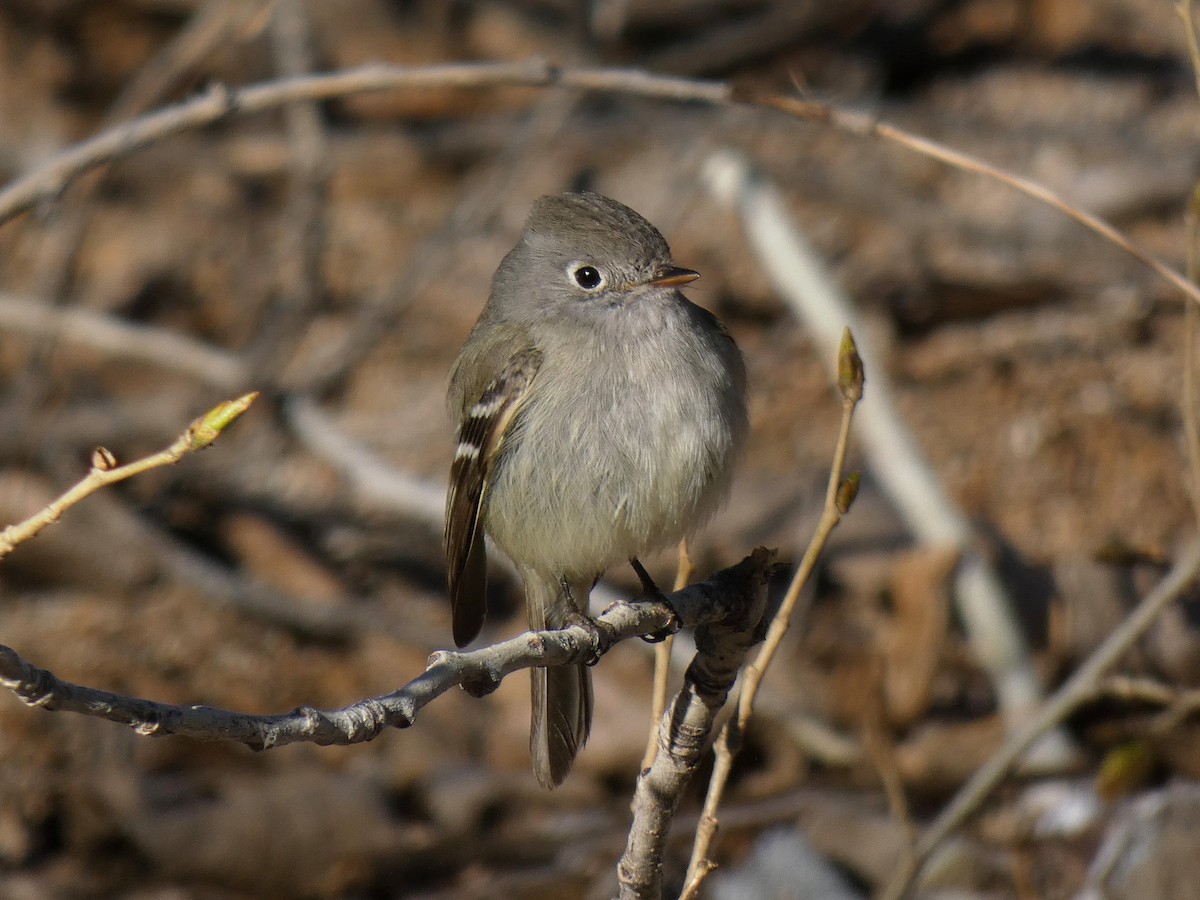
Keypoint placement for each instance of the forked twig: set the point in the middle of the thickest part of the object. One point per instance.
(479, 672)
(721, 647)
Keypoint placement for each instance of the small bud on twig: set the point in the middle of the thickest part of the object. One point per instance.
(103, 459)
(209, 426)
(850, 368)
(846, 492)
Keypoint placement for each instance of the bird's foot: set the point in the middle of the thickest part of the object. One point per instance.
(651, 592)
(580, 619)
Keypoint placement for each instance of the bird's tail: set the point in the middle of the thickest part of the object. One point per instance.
(562, 695)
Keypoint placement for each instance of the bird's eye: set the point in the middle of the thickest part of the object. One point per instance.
(587, 277)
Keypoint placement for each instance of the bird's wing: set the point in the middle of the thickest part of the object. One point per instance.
(480, 437)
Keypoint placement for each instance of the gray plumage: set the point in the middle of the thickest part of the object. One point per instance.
(600, 414)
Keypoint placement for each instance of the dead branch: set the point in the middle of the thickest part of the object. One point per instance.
(721, 646)
(220, 101)
(727, 593)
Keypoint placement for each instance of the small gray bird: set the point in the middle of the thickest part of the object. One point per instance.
(600, 413)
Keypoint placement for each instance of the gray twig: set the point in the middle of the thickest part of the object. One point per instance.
(479, 672)
(125, 340)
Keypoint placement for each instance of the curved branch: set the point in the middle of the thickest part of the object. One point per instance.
(479, 672)
(220, 101)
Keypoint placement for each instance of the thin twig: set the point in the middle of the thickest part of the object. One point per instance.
(479, 672)
(1076, 691)
(303, 224)
(839, 494)
(105, 471)
(170, 350)
(218, 102)
(662, 661)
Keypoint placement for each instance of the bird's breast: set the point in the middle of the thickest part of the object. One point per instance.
(623, 445)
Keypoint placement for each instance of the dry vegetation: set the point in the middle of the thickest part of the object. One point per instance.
(334, 255)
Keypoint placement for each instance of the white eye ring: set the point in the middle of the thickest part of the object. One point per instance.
(586, 276)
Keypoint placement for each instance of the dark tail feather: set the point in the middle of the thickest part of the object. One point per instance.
(562, 695)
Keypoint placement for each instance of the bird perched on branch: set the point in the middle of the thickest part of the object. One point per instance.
(599, 414)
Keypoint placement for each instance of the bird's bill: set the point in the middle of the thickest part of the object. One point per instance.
(673, 276)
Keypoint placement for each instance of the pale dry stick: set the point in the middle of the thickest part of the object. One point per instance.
(479, 672)
(169, 350)
(662, 661)
(300, 276)
(105, 471)
(47, 180)
(369, 477)
(1081, 687)
(220, 101)
(839, 494)
(895, 457)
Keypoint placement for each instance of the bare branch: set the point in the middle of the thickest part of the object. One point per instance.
(723, 595)
(721, 645)
(126, 340)
(219, 102)
(684, 570)
(896, 459)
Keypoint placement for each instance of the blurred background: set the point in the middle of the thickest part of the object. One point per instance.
(334, 256)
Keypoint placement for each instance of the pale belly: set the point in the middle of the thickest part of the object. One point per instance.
(575, 493)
